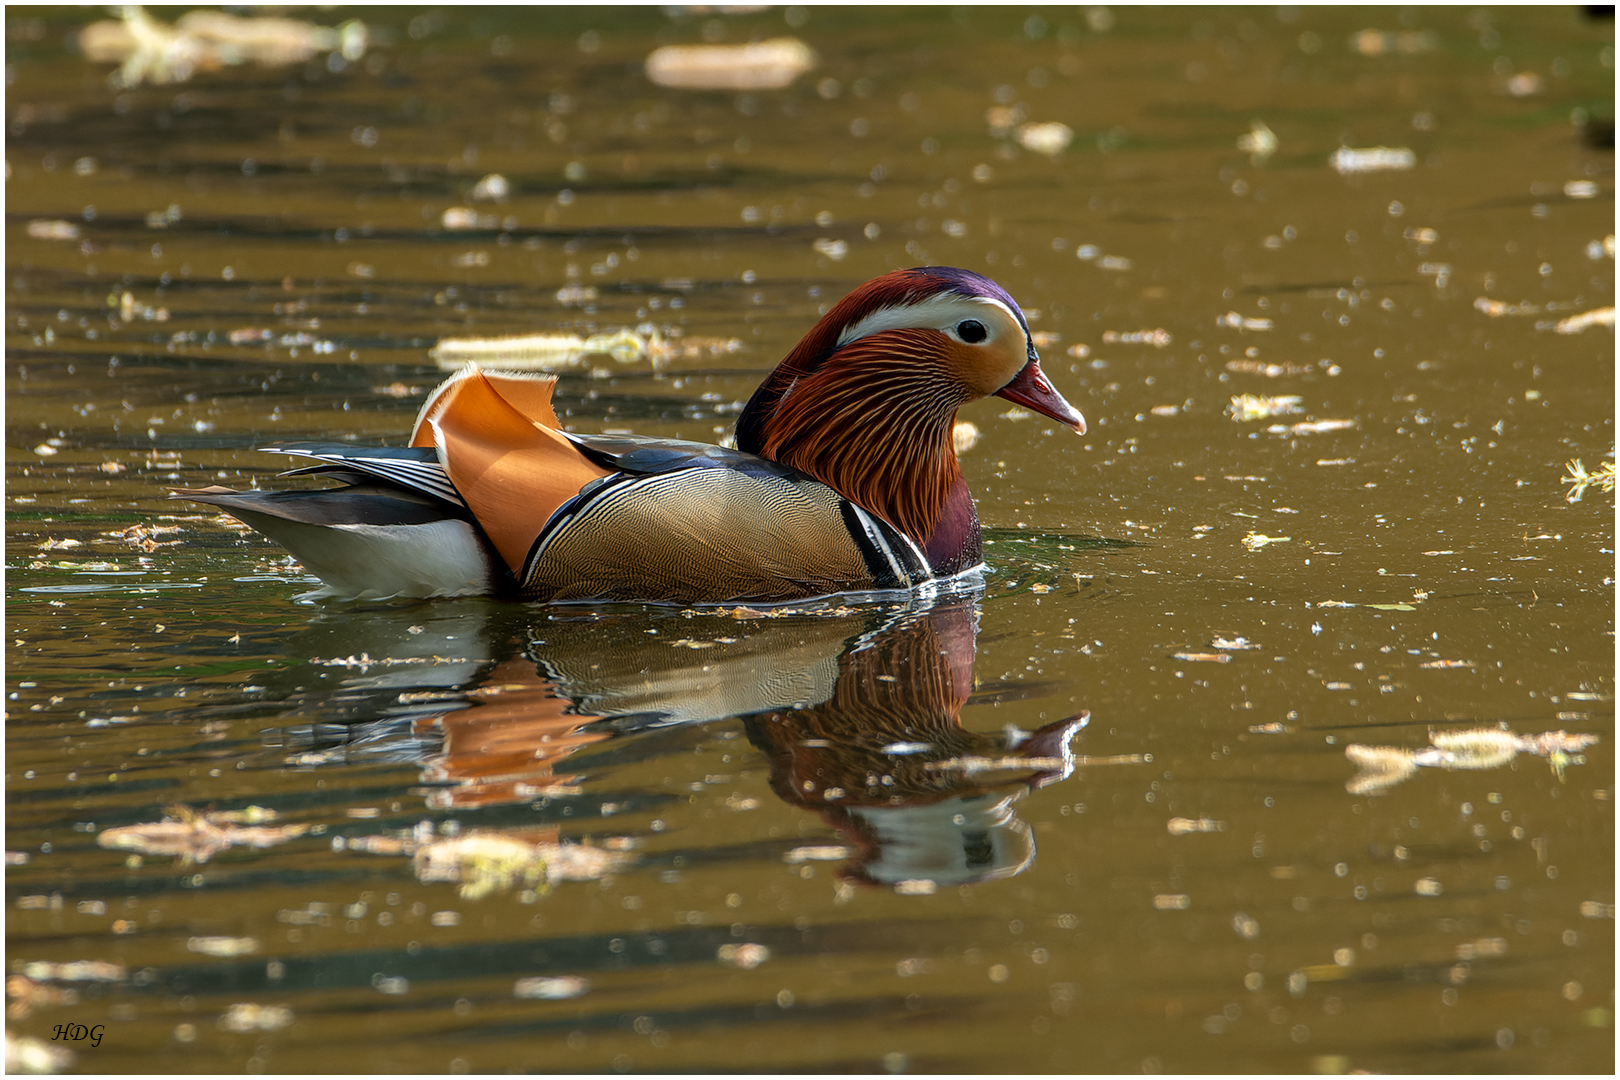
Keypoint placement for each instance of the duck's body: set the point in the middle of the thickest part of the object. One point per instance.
(845, 478)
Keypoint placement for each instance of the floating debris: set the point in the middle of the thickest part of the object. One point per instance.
(1242, 322)
(1496, 308)
(1202, 657)
(1270, 371)
(222, 946)
(551, 987)
(482, 862)
(1580, 479)
(1003, 118)
(463, 218)
(1311, 427)
(977, 764)
(52, 229)
(1576, 324)
(1524, 84)
(1258, 407)
(1158, 338)
(1275, 727)
(245, 1016)
(366, 661)
(156, 52)
(1372, 159)
(550, 352)
(833, 249)
(1180, 826)
(1382, 767)
(816, 853)
(1237, 643)
(1384, 42)
(194, 837)
(1050, 139)
(1446, 664)
(1260, 142)
(1482, 949)
(494, 186)
(74, 971)
(746, 956)
(763, 65)
(1255, 541)
(1172, 902)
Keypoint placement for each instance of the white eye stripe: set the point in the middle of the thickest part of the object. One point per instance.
(939, 312)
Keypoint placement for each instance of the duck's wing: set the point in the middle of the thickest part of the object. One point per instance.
(646, 454)
(415, 468)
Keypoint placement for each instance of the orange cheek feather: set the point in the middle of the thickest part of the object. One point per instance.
(980, 370)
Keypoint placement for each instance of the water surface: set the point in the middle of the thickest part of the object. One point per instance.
(1176, 787)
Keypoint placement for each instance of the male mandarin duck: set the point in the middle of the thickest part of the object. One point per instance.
(844, 479)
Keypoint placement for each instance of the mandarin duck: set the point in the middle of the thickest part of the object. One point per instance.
(844, 478)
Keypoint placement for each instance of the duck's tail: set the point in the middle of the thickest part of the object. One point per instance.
(368, 541)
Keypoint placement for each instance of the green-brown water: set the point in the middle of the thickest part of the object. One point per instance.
(1210, 884)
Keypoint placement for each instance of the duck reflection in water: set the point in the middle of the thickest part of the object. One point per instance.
(857, 710)
(885, 760)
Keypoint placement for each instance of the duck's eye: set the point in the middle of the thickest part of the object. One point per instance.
(971, 331)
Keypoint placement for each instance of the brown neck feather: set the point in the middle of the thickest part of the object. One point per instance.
(874, 424)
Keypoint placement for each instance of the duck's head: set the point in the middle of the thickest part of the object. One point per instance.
(940, 325)
(866, 402)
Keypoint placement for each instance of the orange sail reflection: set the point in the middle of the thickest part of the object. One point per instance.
(505, 747)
